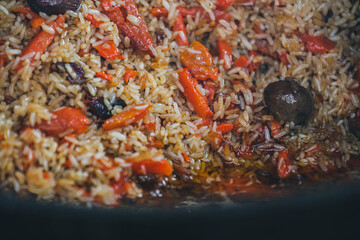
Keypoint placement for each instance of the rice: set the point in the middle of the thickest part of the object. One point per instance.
(85, 167)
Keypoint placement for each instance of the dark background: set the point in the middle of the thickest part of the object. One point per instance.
(330, 214)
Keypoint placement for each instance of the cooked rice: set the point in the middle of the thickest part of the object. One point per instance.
(30, 96)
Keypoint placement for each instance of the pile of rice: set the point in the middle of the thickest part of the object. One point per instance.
(28, 98)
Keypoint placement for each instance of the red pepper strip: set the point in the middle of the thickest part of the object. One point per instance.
(179, 27)
(159, 12)
(66, 119)
(248, 3)
(41, 41)
(219, 14)
(109, 5)
(225, 53)
(319, 44)
(283, 58)
(104, 75)
(147, 166)
(126, 117)
(275, 127)
(138, 33)
(109, 51)
(192, 94)
(211, 95)
(284, 163)
(36, 20)
(242, 61)
(223, 4)
(93, 20)
(3, 58)
(224, 127)
(129, 74)
(200, 64)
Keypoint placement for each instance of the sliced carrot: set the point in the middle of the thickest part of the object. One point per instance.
(224, 127)
(66, 119)
(155, 143)
(179, 27)
(105, 76)
(145, 167)
(318, 44)
(126, 117)
(93, 20)
(192, 94)
(41, 41)
(129, 74)
(200, 64)
(215, 140)
(109, 51)
(284, 164)
(252, 65)
(204, 122)
(36, 20)
(225, 53)
(46, 175)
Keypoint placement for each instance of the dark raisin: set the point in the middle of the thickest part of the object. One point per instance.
(264, 68)
(9, 99)
(75, 73)
(100, 110)
(328, 15)
(110, 67)
(160, 35)
(54, 7)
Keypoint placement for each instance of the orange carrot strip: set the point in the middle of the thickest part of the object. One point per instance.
(179, 27)
(41, 41)
(192, 94)
(126, 117)
(65, 119)
(36, 20)
(186, 157)
(46, 175)
(147, 166)
(224, 127)
(104, 75)
(129, 73)
(225, 53)
(93, 20)
(109, 51)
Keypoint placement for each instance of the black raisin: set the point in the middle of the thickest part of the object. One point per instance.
(160, 35)
(75, 73)
(100, 110)
(328, 15)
